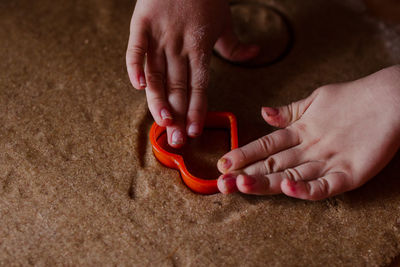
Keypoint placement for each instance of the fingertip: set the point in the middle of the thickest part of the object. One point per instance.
(194, 129)
(272, 116)
(131, 76)
(270, 112)
(197, 110)
(289, 188)
(135, 54)
(166, 116)
(141, 80)
(224, 164)
(163, 118)
(136, 77)
(227, 184)
(176, 137)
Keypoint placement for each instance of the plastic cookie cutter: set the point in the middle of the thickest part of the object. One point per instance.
(219, 120)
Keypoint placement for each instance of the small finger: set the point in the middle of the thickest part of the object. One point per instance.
(135, 54)
(317, 189)
(155, 91)
(258, 149)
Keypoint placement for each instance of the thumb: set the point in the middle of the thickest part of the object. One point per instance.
(230, 48)
(284, 116)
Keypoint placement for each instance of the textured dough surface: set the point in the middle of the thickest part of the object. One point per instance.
(79, 184)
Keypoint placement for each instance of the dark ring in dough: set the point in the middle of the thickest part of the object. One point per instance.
(266, 26)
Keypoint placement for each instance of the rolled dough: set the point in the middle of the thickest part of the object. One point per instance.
(79, 184)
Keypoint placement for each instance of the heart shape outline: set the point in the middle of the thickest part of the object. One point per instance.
(214, 119)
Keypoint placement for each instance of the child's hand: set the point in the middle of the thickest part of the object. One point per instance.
(176, 38)
(331, 142)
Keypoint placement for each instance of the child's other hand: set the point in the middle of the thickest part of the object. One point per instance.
(176, 38)
(331, 142)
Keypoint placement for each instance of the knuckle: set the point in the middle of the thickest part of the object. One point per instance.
(155, 77)
(135, 50)
(294, 111)
(176, 89)
(324, 187)
(267, 183)
(293, 174)
(177, 85)
(290, 112)
(321, 190)
(270, 165)
(241, 155)
(198, 92)
(265, 143)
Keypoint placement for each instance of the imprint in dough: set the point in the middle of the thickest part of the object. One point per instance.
(202, 153)
(263, 25)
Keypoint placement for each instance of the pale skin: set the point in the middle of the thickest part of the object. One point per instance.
(177, 38)
(329, 143)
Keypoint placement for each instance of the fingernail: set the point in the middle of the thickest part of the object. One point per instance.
(142, 80)
(225, 163)
(165, 115)
(248, 180)
(271, 111)
(177, 137)
(194, 129)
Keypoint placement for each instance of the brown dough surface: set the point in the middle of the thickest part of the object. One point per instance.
(79, 184)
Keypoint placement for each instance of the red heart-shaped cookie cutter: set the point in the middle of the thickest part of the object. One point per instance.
(221, 120)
